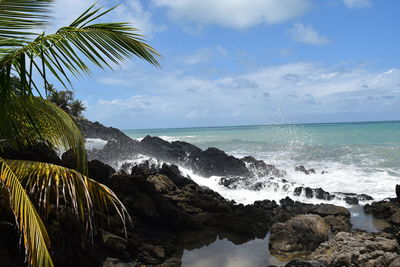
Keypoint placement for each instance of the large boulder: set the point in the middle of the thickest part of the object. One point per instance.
(330, 209)
(216, 162)
(298, 236)
(99, 171)
(383, 209)
(358, 249)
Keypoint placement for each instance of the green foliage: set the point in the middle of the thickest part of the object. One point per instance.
(76, 107)
(65, 100)
(27, 119)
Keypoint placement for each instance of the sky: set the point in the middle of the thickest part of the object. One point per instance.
(248, 62)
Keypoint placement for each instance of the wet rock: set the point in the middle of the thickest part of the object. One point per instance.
(382, 209)
(395, 218)
(318, 193)
(216, 162)
(230, 182)
(173, 172)
(398, 191)
(304, 263)
(338, 223)
(113, 242)
(161, 149)
(330, 209)
(364, 197)
(351, 200)
(352, 196)
(304, 170)
(162, 183)
(358, 249)
(261, 169)
(152, 254)
(99, 171)
(300, 235)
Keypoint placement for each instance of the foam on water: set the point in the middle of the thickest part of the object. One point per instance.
(94, 143)
(246, 196)
(358, 157)
(272, 191)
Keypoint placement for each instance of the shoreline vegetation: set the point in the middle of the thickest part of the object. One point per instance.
(75, 209)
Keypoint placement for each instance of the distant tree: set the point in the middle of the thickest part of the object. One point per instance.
(76, 107)
(65, 100)
(61, 98)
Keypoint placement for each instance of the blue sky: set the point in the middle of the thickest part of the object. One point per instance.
(241, 62)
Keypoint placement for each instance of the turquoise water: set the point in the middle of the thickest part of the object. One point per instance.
(361, 157)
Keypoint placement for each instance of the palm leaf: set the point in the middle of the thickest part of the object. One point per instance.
(49, 182)
(36, 239)
(66, 51)
(28, 120)
(17, 16)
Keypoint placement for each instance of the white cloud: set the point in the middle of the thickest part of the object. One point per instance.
(132, 11)
(306, 34)
(237, 14)
(269, 95)
(357, 3)
(203, 55)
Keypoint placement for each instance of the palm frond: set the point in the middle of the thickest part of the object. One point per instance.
(18, 16)
(67, 50)
(28, 120)
(49, 182)
(36, 238)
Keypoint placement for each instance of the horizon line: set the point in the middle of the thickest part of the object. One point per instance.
(254, 125)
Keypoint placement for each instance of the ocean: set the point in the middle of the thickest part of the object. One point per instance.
(359, 157)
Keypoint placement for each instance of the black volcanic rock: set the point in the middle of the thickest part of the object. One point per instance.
(318, 193)
(98, 130)
(164, 150)
(216, 162)
(261, 169)
(303, 169)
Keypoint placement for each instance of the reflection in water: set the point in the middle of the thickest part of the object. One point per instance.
(361, 220)
(227, 251)
(211, 248)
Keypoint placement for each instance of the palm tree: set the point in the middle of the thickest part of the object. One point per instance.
(27, 119)
(60, 98)
(76, 107)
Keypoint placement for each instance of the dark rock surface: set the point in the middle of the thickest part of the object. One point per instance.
(318, 193)
(304, 170)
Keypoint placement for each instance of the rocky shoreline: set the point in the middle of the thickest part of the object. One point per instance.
(164, 205)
